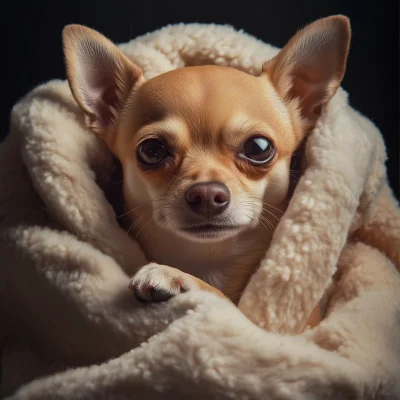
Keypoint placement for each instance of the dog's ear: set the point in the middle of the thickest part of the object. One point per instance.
(311, 66)
(99, 74)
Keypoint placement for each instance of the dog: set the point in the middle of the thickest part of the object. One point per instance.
(205, 151)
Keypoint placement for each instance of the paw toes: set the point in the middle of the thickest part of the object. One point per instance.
(151, 294)
(155, 283)
(138, 294)
(159, 294)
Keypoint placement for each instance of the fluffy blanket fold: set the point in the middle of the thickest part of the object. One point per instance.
(70, 328)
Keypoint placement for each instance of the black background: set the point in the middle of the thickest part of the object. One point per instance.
(34, 54)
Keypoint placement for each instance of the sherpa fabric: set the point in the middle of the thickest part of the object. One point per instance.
(71, 329)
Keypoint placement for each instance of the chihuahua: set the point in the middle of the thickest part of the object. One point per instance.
(205, 151)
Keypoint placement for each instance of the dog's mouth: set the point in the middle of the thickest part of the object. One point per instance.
(210, 231)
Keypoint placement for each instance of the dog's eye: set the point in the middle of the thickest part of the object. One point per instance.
(152, 151)
(258, 150)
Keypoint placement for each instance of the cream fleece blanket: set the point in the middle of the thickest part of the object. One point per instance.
(71, 329)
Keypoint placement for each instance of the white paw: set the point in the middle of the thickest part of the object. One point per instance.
(155, 283)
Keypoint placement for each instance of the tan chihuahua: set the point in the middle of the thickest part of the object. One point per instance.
(205, 151)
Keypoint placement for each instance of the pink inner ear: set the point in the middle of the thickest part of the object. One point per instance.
(107, 104)
(309, 87)
(102, 98)
(310, 84)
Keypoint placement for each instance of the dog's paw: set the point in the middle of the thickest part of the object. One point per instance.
(155, 283)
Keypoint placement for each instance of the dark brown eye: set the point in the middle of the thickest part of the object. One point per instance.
(258, 150)
(152, 152)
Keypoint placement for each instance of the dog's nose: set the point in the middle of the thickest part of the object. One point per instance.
(208, 199)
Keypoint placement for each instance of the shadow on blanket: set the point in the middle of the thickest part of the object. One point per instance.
(70, 329)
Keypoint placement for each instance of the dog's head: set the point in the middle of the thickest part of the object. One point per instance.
(206, 150)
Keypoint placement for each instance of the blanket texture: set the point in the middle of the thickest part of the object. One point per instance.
(71, 329)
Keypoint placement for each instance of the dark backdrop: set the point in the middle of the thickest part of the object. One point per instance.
(33, 43)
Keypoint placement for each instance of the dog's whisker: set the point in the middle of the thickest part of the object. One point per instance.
(175, 177)
(155, 199)
(262, 224)
(271, 213)
(168, 218)
(267, 221)
(266, 204)
(266, 210)
(253, 204)
(130, 211)
(136, 222)
(275, 208)
(147, 223)
(266, 227)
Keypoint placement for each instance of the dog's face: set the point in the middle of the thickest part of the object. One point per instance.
(206, 150)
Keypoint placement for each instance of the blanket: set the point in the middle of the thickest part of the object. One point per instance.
(71, 329)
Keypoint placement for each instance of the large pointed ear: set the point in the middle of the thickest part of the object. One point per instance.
(310, 68)
(99, 74)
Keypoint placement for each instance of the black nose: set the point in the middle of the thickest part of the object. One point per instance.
(208, 199)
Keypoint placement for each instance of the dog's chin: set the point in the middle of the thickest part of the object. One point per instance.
(209, 232)
(206, 230)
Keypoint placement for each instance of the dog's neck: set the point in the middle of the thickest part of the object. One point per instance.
(226, 265)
